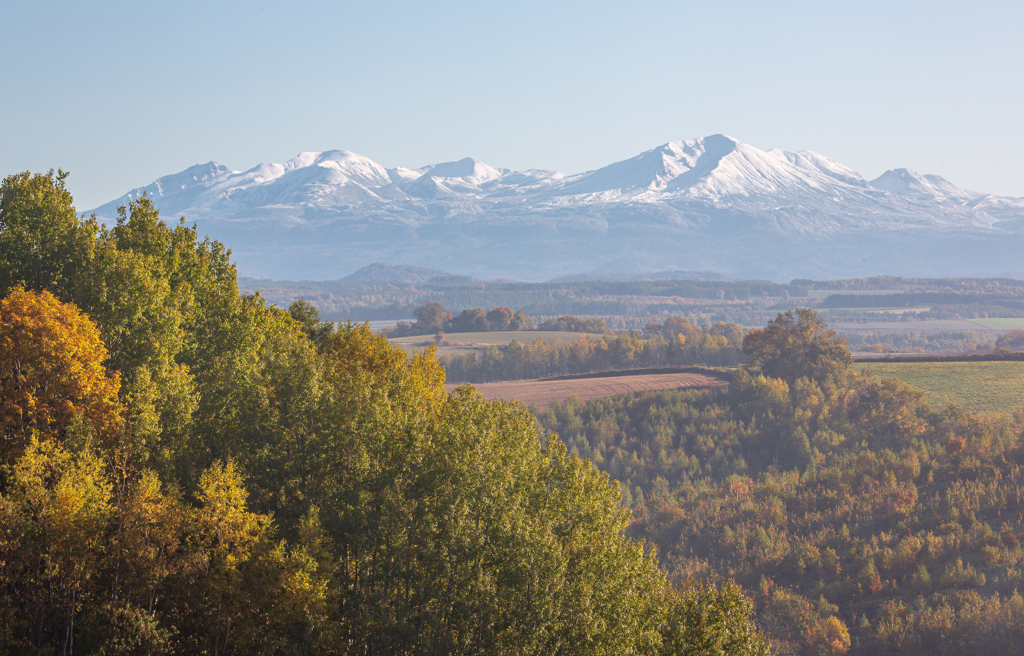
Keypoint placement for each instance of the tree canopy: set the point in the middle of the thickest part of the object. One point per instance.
(51, 370)
(797, 344)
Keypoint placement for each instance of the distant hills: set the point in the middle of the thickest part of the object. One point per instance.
(378, 272)
(712, 205)
(395, 273)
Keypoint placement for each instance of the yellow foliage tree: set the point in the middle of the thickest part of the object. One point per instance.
(51, 370)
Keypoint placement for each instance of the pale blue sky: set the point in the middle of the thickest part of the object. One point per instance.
(120, 93)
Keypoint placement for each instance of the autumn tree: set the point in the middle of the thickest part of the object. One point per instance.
(797, 344)
(500, 318)
(1013, 339)
(87, 568)
(431, 317)
(446, 510)
(470, 320)
(51, 370)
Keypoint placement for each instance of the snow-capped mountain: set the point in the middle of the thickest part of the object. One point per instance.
(710, 204)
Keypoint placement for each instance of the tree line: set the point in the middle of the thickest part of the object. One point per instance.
(433, 317)
(675, 342)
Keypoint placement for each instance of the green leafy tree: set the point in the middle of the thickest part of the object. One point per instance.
(708, 617)
(43, 245)
(521, 321)
(309, 318)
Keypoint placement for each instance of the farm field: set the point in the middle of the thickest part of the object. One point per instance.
(926, 326)
(895, 310)
(1000, 324)
(822, 293)
(543, 392)
(976, 386)
(461, 342)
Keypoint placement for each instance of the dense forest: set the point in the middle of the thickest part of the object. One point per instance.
(863, 519)
(185, 469)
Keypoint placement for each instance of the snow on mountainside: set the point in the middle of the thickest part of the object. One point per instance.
(911, 184)
(713, 168)
(711, 204)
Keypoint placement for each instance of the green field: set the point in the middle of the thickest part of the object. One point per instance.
(894, 310)
(1000, 324)
(928, 326)
(976, 386)
(462, 342)
(822, 293)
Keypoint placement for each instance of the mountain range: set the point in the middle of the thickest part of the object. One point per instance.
(713, 204)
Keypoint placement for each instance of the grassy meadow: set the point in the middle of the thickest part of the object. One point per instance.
(1001, 324)
(462, 342)
(977, 386)
(822, 293)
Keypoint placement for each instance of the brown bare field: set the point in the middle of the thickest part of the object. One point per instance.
(543, 392)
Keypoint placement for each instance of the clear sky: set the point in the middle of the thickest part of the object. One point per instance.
(120, 93)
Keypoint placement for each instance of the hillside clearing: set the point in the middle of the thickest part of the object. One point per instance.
(543, 392)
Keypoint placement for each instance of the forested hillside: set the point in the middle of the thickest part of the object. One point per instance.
(863, 519)
(186, 470)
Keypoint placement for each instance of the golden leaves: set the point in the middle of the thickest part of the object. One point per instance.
(51, 369)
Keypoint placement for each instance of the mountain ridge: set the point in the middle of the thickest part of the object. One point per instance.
(708, 204)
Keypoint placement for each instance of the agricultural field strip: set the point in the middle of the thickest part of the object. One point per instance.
(928, 326)
(542, 392)
(495, 338)
(976, 386)
(822, 293)
(1000, 324)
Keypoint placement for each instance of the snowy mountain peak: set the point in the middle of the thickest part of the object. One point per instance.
(471, 170)
(347, 165)
(912, 184)
(198, 175)
(713, 168)
(172, 191)
(653, 170)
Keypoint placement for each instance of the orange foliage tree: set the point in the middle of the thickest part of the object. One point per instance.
(51, 370)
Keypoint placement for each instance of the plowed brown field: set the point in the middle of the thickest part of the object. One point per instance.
(543, 392)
